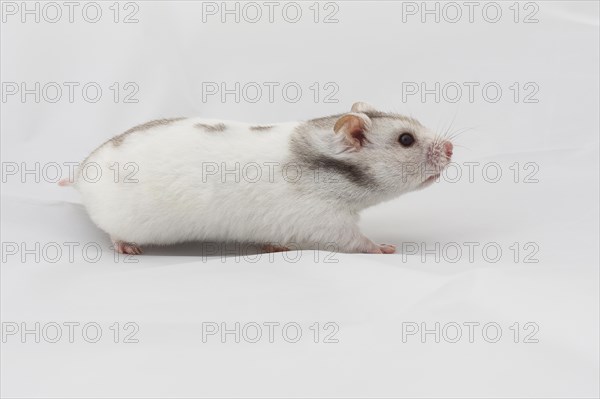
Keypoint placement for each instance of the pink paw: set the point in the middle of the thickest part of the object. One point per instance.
(382, 249)
(127, 248)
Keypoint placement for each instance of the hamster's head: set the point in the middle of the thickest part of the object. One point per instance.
(396, 152)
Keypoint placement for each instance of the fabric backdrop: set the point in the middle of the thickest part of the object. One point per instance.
(493, 291)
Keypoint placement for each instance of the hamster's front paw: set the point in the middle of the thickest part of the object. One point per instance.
(382, 249)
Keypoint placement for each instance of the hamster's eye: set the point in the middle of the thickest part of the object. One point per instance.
(406, 139)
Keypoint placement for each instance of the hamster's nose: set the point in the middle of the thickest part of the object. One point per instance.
(448, 148)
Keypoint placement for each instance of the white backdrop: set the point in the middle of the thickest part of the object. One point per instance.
(523, 77)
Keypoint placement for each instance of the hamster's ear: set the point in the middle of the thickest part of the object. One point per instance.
(354, 127)
(362, 107)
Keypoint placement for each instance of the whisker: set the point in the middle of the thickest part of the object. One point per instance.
(451, 125)
(459, 132)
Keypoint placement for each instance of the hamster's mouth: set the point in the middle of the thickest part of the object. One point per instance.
(429, 181)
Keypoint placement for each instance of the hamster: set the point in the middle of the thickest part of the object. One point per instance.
(298, 184)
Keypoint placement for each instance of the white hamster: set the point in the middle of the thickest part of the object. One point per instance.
(298, 184)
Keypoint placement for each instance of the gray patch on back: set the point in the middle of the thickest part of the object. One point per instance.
(219, 127)
(261, 128)
(117, 140)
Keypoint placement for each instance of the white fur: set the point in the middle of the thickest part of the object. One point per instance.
(175, 199)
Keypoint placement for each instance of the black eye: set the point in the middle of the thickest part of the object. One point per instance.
(406, 139)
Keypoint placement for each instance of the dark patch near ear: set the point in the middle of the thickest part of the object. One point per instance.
(117, 140)
(304, 152)
(261, 128)
(219, 127)
(349, 171)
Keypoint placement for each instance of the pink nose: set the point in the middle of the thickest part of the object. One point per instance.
(448, 148)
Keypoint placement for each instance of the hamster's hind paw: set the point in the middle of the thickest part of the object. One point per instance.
(123, 247)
